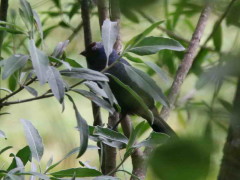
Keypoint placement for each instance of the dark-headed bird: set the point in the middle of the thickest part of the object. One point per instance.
(97, 59)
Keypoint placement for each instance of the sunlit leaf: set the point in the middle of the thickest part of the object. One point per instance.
(109, 36)
(13, 63)
(56, 83)
(83, 73)
(40, 62)
(34, 140)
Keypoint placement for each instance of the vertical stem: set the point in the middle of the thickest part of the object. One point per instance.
(103, 11)
(85, 11)
(110, 153)
(231, 159)
(115, 16)
(3, 17)
(187, 61)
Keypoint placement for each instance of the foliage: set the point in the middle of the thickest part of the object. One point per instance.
(26, 62)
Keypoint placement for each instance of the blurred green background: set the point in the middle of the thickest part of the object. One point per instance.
(58, 129)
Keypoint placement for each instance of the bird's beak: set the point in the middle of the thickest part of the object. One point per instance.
(84, 53)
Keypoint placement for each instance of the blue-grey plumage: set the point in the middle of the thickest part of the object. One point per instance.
(96, 59)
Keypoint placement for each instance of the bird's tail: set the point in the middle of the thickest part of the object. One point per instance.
(159, 125)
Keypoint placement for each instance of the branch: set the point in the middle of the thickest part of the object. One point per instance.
(187, 61)
(75, 31)
(3, 17)
(116, 16)
(231, 159)
(85, 11)
(103, 11)
(17, 91)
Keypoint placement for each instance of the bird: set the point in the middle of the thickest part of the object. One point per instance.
(96, 60)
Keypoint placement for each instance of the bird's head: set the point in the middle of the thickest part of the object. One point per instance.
(95, 56)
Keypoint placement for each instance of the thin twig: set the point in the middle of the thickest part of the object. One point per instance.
(187, 61)
(17, 91)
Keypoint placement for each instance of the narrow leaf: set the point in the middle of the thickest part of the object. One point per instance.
(109, 36)
(59, 49)
(83, 129)
(79, 172)
(40, 62)
(146, 83)
(13, 63)
(100, 102)
(56, 83)
(135, 40)
(34, 140)
(31, 90)
(151, 45)
(2, 134)
(83, 73)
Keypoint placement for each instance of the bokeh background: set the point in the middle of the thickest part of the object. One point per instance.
(57, 128)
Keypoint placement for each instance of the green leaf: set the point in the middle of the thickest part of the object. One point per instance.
(13, 81)
(109, 134)
(40, 62)
(129, 14)
(134, 98)
(12, 64)
(79, 172)
(106, 178)
(24, 154)
(92, 97)
(2, 134)
(155, 139)
(109, 36)
(187, 158)
(5, 149)
(73, 62)
(34, 140)
(83, 129)
(31, 90)
(151, 45)
(83, 73)
(147, 84)
(163, 75)
(135, 40)
(11, 30)
(217, 38)
(228, 106)
(56, 83)
(66, 64)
